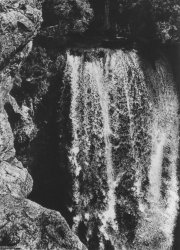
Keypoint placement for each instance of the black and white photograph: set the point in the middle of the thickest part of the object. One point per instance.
(89, 124)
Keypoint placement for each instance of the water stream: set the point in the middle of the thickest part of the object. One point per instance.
(124, 114)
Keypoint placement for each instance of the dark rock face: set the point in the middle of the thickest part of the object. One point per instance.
(44, 151)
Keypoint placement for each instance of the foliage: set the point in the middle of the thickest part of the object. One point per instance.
(159, 18)
(166, 14)
(72, 15)
(140, 20)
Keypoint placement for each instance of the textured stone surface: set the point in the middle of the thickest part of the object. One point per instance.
(20, 21)
(26, 225)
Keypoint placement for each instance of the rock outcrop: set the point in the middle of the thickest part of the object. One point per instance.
(23, 223)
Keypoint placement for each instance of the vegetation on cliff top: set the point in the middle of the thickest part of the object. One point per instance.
(140, 20)
(71, 15)
(155, 19)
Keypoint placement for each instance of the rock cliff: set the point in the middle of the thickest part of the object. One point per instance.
(23, 223)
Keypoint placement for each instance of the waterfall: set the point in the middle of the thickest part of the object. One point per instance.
(123, 157)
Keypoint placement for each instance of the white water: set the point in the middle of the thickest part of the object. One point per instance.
(124, 122)
(165, 136)
(96, 75)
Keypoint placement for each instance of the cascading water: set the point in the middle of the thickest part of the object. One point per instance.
(125, 145)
